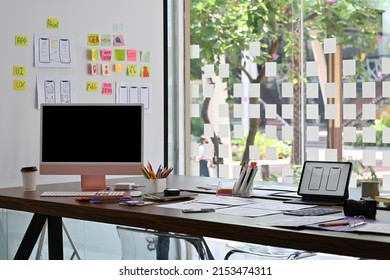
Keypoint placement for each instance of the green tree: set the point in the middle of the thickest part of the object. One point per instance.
(224, 28)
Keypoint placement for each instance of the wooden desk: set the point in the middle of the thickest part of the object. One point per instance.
(53, 209)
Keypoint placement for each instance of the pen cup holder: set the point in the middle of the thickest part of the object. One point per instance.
(156, 185)
(244, 185)
(243, 192)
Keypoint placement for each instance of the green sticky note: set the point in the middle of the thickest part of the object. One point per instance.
(93, 39)
(105, 40)
(120, 54)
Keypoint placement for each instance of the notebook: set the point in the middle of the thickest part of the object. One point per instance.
(323, 183)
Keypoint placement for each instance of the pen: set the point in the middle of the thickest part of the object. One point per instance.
(334, 224)
(204, 188)
(357, 224)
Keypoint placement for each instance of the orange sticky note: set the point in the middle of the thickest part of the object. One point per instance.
(118, 67)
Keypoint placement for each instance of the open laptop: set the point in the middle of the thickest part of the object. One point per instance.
(323, 183)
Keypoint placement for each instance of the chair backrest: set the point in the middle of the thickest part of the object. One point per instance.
(145, 244)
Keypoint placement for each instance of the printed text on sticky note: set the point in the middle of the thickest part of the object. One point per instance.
(19, 85)
(92, 86)
(107, 88)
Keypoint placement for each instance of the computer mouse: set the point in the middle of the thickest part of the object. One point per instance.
(136, 193)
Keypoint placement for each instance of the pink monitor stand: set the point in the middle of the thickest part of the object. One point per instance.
(93, 183)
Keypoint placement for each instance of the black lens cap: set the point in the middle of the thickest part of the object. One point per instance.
(171, 192)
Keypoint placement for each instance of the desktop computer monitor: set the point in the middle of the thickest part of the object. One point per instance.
(91, 140)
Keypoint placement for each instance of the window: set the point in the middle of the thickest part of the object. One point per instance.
(280, 82)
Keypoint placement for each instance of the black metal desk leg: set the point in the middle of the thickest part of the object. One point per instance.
(55, 240)
(30, 237)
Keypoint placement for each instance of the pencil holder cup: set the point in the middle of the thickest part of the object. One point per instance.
(243, 191)
(156, 185)
(225, 188)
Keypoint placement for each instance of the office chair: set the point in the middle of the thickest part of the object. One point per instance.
(255, 251)
(146, 244)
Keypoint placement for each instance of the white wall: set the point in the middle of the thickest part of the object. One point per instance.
(19, 117)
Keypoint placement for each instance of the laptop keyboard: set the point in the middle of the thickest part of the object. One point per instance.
(314, 202)
(312, 212)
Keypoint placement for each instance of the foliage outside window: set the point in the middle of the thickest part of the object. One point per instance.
(224, 31)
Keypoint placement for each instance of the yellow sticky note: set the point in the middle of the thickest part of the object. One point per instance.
(19, 71)
(118, 67)
(19, 85)
(54, 43)
(52, 23)
(93, 54)
(92, 86)
(132, 70)
(145, 71)
(93, 39)
(21, 41)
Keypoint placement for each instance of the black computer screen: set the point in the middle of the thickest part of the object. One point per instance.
(92, 133)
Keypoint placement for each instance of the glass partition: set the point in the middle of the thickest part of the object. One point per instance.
(281, 82)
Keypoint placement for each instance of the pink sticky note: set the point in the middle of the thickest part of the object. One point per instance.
(106, 55)
(131, 55)
(107, 88)
(94, 69)
(118, 40)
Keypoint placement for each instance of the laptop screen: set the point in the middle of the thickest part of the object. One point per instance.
(324, 179)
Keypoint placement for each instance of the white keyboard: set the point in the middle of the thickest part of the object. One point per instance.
(75, 194)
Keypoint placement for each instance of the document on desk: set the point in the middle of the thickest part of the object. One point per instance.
(278, 206)
(227, 200)
(264, 193)
(193, 204)
(286, 188)
(357, 225)
(286, 194)
(245, 211)
(374, 227)
(300, 221)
